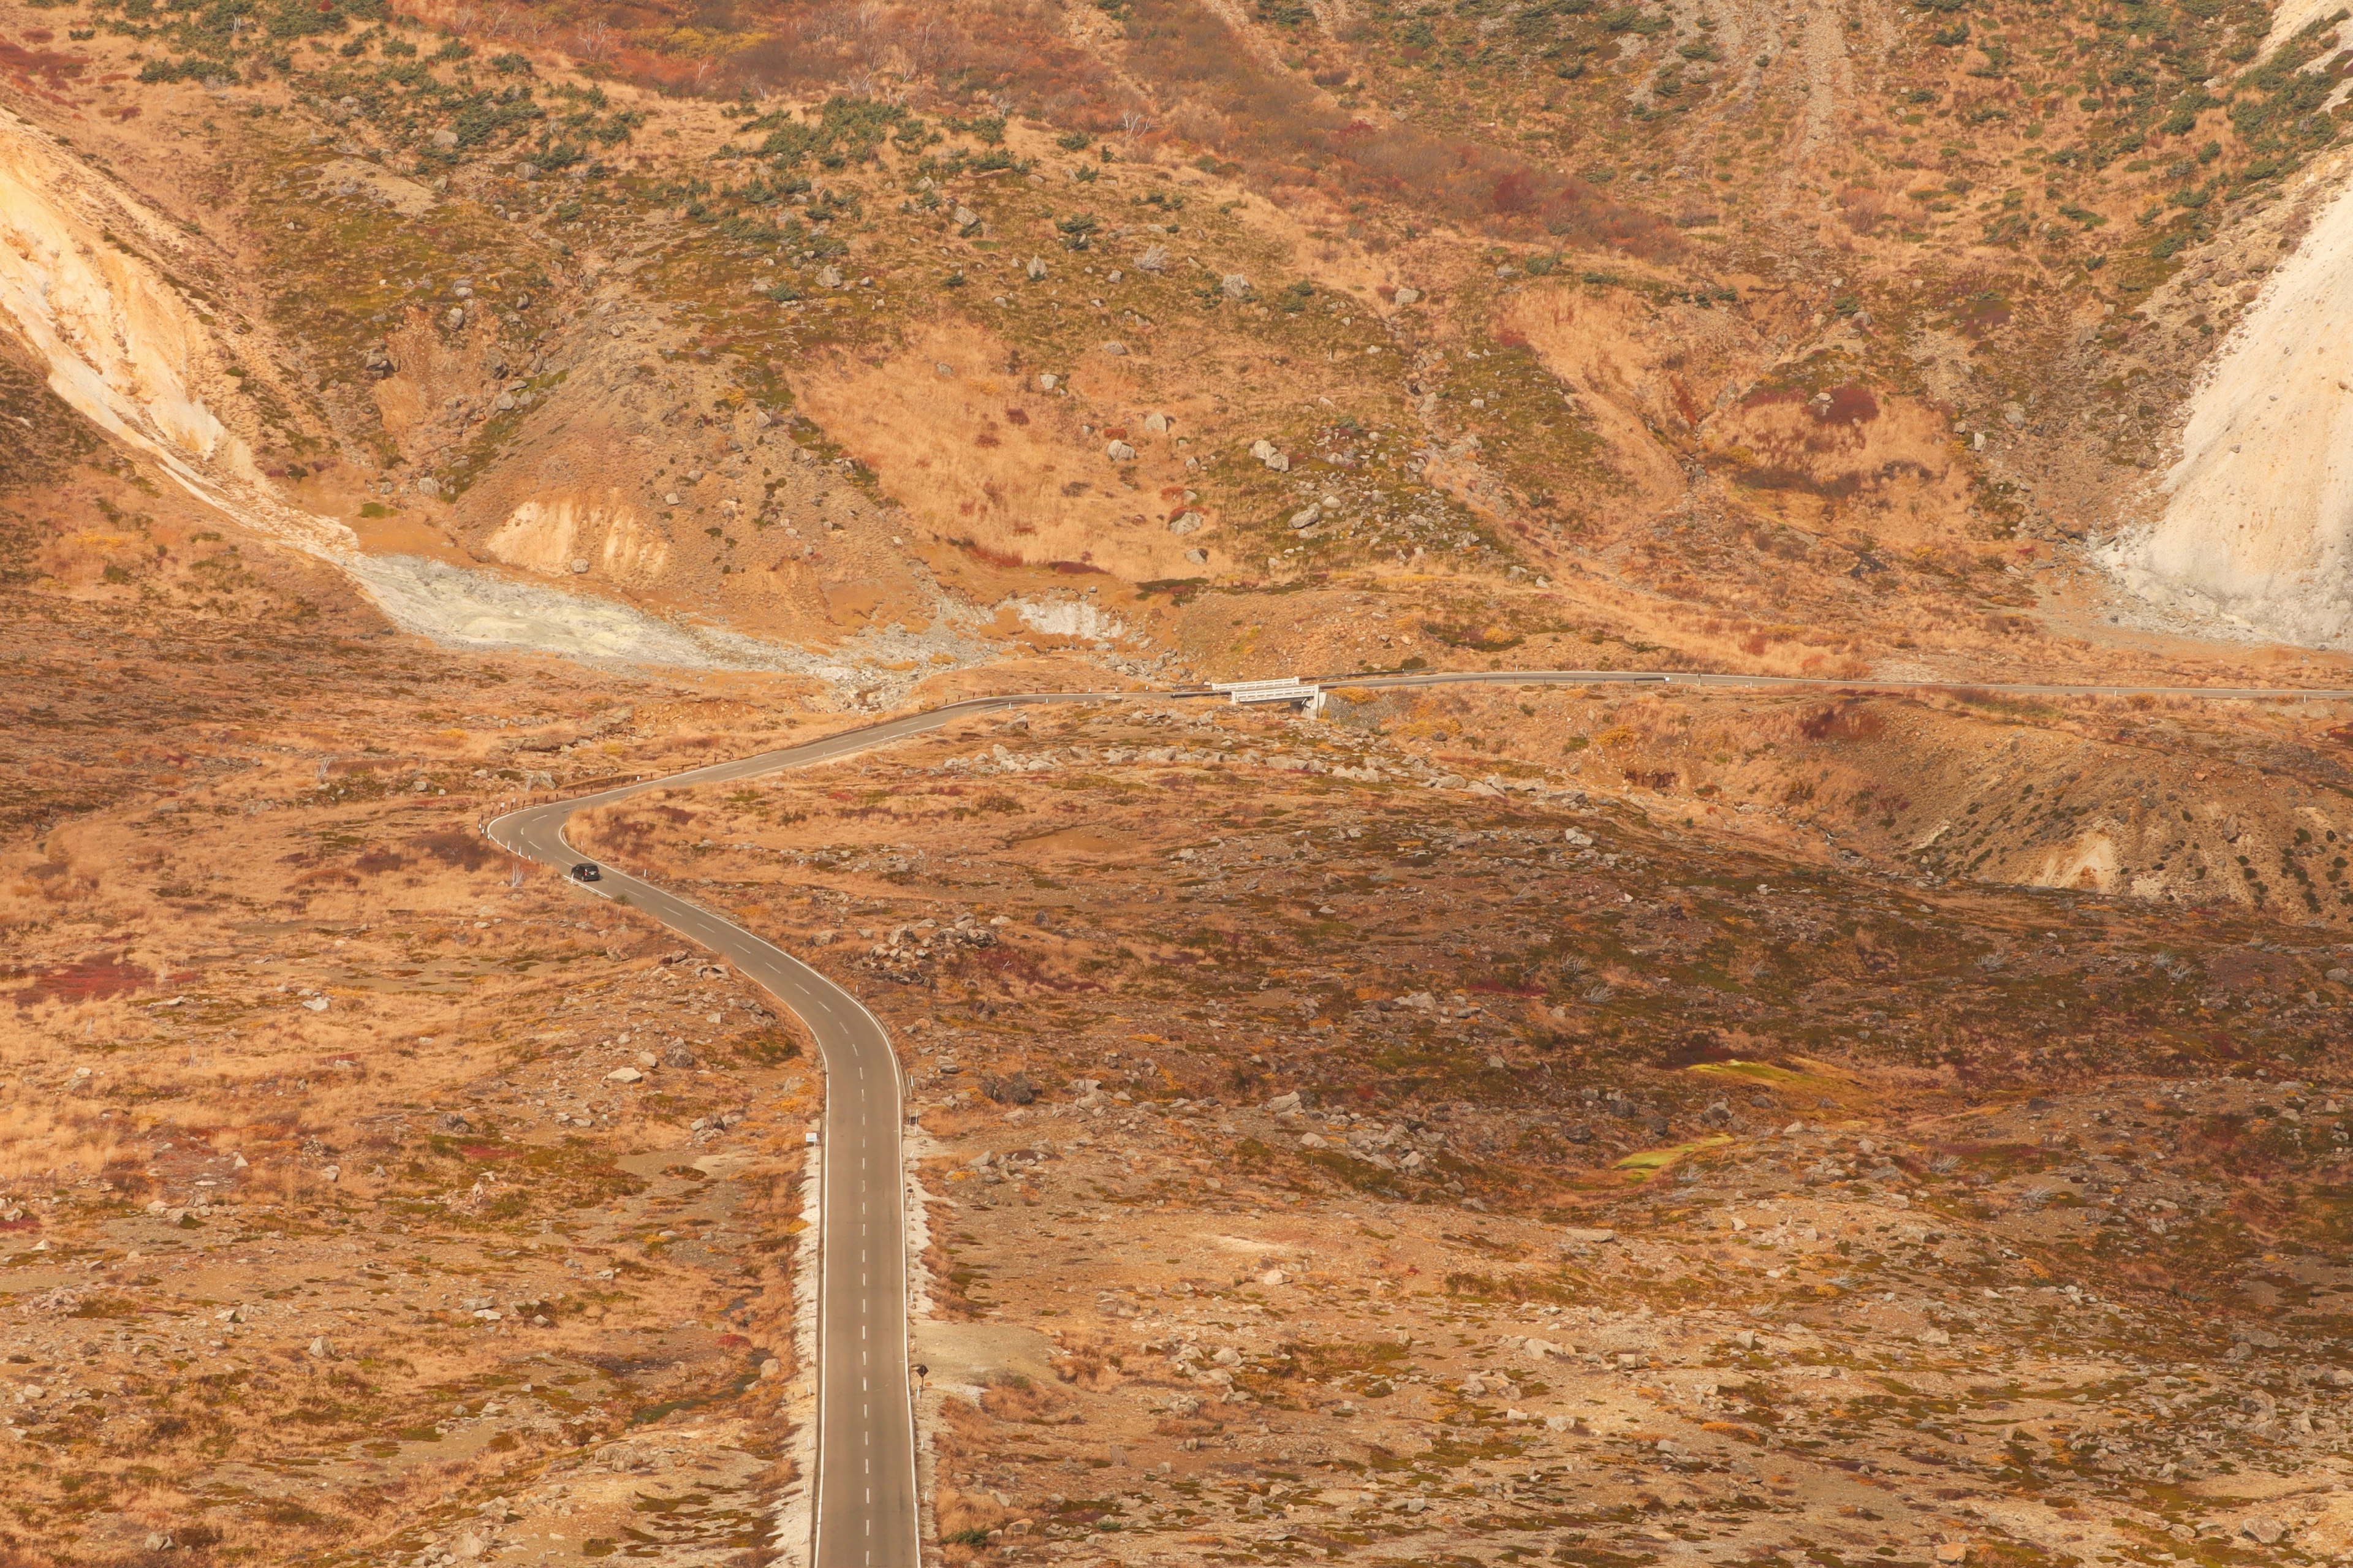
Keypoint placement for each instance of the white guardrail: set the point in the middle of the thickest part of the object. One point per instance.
(1289, 689)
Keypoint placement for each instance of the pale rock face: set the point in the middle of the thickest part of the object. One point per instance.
(1069, 618)
(2258, 523)
(560, 535)
(123, 348)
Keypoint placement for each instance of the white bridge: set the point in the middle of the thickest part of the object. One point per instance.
(1289, 689)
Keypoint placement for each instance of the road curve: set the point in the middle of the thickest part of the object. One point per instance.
(865, 1514)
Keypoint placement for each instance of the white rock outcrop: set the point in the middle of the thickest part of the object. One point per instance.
(2257, 532)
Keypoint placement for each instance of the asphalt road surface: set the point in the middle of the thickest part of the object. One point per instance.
(865, 1513)
(865, 1509)
(1697, 677)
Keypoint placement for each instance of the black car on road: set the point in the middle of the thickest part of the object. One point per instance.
(587, 872)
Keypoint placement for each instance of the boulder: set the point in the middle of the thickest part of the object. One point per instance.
(1012, 1089)
(1406, 295)
(1185, 523)
(1234, 285)
(1120, 452)
(624, 1075)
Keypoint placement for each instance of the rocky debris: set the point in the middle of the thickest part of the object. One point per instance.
(1268, 454)
(913, 952)
(377, 361)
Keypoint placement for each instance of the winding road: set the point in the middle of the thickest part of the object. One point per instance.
(865, 1513)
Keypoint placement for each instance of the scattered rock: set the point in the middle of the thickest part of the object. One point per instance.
(1035, 268)
(1406, 295)
(1307, 517)
(1235, 285)
(624, 1075)
(828, 277)
(1185, 523)
(1116, 351)
(1155, 259)
(1120, 452)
